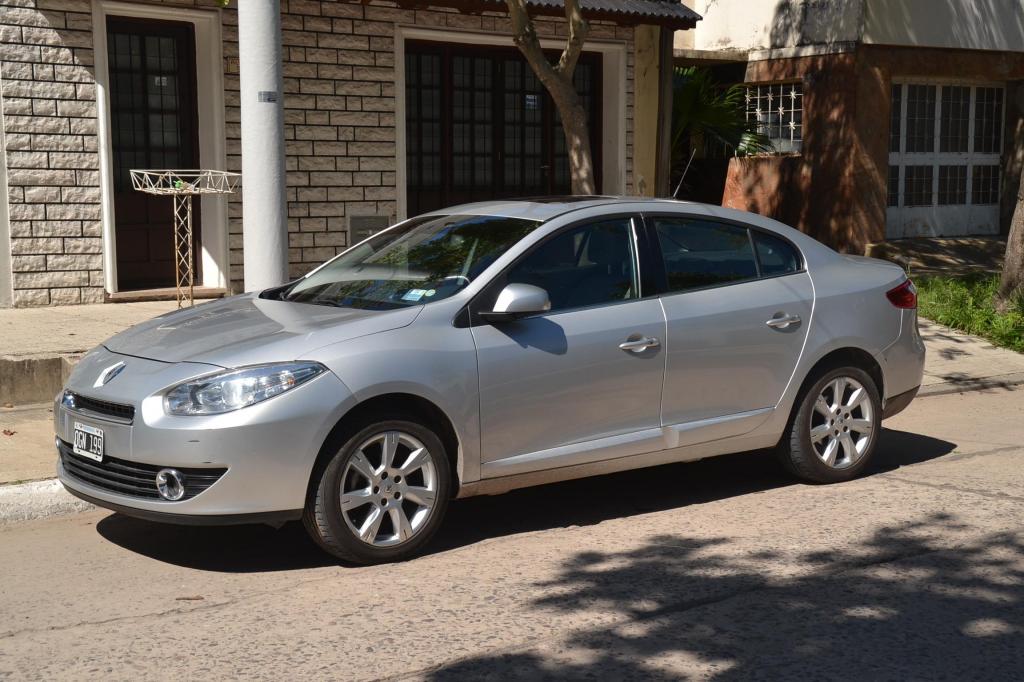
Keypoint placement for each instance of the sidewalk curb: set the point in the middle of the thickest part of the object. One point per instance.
(37, 500)
(999, 381)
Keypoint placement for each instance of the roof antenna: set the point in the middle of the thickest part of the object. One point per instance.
(685, 171)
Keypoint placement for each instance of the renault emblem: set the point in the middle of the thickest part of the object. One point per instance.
(108, 374)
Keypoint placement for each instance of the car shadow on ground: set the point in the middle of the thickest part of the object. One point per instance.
(257, 548)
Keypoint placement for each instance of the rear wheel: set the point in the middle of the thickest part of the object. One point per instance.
(834, 428)
(383, 494)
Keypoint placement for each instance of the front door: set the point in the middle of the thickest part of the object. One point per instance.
(558, 389)
(731, 351)
(154, 125)
(945, 143)
(479, 125)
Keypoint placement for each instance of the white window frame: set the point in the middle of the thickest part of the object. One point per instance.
(935, 219)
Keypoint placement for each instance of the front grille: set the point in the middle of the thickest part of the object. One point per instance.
(132, 478)
(103, 407)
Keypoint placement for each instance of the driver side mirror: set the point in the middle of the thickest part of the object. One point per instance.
(516, 301)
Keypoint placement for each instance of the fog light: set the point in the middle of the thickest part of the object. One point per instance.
(170, 483)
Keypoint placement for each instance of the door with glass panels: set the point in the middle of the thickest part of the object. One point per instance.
(479, 125)
(153, 124)
(945, 142)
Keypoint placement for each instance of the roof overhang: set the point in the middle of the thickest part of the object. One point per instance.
(667, 13)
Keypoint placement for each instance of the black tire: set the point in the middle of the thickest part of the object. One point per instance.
(323, 514)
(795, 449)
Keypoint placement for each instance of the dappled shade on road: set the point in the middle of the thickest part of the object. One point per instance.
(904, 604)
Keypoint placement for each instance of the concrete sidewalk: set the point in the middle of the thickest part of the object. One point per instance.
(39, 346)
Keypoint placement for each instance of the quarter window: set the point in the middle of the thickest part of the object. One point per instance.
(701, 253)
(585, 266)
(776, 256)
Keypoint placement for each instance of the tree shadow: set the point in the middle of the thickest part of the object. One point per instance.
(904, 603)
(587, 501)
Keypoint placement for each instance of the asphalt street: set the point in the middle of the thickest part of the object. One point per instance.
(722, 569)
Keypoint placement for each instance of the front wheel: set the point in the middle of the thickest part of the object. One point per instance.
(383, 494)
(834, 428)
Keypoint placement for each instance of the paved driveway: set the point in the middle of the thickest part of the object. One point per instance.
(720, 569)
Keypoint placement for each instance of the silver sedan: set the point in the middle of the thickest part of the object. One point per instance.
(488, 347)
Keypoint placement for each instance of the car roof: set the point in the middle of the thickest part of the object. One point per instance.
(545, 208)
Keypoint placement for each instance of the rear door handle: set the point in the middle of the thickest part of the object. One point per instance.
(640, 345)
(783, 321)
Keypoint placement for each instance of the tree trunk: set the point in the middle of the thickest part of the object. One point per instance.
(1012, 282)
(557, 79)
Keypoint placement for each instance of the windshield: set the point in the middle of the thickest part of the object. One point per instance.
(421, 261)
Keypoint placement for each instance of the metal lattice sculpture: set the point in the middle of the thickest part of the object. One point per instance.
(182, 185)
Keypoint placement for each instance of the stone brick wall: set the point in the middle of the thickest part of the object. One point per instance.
(49, 128)
(339, 102)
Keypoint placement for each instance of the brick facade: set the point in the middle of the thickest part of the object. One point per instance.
(49, 126)
(340, 130)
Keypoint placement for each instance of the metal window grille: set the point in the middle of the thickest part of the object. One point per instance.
(777, 108)
(917, 186)
(893, 198)
(988, 115)
(896, 119)
(952, 185)
(985, 188)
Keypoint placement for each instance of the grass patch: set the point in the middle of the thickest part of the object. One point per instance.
(965, 304)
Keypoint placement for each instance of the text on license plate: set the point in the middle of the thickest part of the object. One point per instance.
(88, 441)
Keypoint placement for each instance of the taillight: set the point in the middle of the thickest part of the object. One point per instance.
(903, 296)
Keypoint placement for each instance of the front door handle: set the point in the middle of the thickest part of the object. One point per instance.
(640, 345)
(783, 321)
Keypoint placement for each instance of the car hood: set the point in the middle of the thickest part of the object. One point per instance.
(248, 330)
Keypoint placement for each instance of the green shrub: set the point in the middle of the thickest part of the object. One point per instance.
(965, 303)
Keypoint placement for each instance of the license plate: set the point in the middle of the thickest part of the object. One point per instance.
(88, 441)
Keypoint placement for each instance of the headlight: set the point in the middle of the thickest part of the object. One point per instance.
(235, 389)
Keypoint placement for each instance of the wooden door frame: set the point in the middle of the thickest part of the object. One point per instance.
(211, 133)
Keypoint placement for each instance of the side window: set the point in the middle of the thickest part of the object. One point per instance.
(583, 266)
(701, 253)
(776, 256)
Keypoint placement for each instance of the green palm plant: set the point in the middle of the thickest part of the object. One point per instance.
(706, 113)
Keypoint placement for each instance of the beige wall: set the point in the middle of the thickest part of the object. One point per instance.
(645, 118)
(761, 24)
(764, 24)
(969, 24)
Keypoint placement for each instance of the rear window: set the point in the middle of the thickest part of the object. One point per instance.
(701, 253)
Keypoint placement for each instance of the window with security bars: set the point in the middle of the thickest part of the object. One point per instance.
(893, 193)
(944, 145)
(917, 186)
(988, 119)
(985, 188)
(952, 185)
(777, 108)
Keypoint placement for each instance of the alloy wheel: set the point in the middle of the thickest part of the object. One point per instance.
(388, 489)
(842, 423)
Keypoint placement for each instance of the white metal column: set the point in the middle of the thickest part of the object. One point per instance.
(264, 209)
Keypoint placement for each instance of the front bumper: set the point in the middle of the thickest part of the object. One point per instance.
(268, 449)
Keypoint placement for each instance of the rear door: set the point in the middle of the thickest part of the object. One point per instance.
(738, 305)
